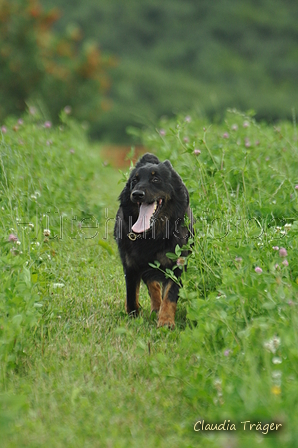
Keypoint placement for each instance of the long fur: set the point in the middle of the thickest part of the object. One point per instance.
(157, 181)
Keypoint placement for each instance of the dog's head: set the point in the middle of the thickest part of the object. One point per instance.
(154, 193)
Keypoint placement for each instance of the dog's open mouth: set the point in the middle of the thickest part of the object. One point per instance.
(147, 216)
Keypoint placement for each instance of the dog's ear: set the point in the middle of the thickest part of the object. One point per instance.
(147, 158)
(124, 197)
(174, 174)
(177, 181)
(168, 164)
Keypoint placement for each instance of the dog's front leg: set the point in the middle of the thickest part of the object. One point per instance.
(155, 295)
(132, 292)
(168, 305)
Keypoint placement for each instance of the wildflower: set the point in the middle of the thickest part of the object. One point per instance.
(46, 232)
(12, 237)
(186, 139)
(58, 285)
(275, 248)
(67, 110)
(47, 124)
(277, 266)
(276, 390)
(258, 270)
(234, 127)
(225, 135)
(276, 360)
(31, 225)
(246, 124)
(20, 121)
(276, 375)
(32, 110)
(187, 119)
(283, 252)
(181, 261)
(296, 187)
(197, 152)
(285, 263)
(238, 259)
(247, 143)
(18, 242)
(227, 352)
(33, 197)
(272, 345)
(4, 130)
(162, 132)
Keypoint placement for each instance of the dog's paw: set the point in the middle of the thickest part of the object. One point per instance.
(155, 310)
(166, 321)
(133, 313)
(167, 314)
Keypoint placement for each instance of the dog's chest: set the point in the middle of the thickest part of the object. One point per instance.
(139, 253)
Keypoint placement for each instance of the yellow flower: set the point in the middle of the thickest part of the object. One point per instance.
(276, 390)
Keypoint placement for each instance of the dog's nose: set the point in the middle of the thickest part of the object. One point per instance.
(138, 195)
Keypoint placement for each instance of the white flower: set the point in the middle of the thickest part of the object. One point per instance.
(276, 360)
(58, 285)
(272, 345)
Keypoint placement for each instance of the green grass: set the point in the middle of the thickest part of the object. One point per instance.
(75, 370)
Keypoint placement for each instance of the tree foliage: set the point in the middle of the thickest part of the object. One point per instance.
(38, 63)
(181, 54)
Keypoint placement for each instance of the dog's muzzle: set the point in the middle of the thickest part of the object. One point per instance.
(138, 195)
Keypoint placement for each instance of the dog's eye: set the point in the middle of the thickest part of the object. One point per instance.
(155, 179)
(134, 181)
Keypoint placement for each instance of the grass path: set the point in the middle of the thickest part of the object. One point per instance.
(75, 370)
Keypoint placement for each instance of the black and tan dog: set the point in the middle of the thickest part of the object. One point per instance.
(150, 223)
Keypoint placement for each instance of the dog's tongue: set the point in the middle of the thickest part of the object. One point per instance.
(143, 222)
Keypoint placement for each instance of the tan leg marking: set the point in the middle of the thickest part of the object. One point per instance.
(167, 310)
(155, 295)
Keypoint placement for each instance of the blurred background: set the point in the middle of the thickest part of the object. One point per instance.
(119, 64)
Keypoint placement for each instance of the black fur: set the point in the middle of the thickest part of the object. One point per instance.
(150, 181)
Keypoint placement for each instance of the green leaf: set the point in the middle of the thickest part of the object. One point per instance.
(106, 246)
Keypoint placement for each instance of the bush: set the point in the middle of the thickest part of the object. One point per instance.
(37, 64)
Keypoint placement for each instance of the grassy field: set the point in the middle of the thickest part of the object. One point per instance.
(75, 370)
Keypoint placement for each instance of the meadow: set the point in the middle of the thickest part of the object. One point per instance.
(76, 371)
